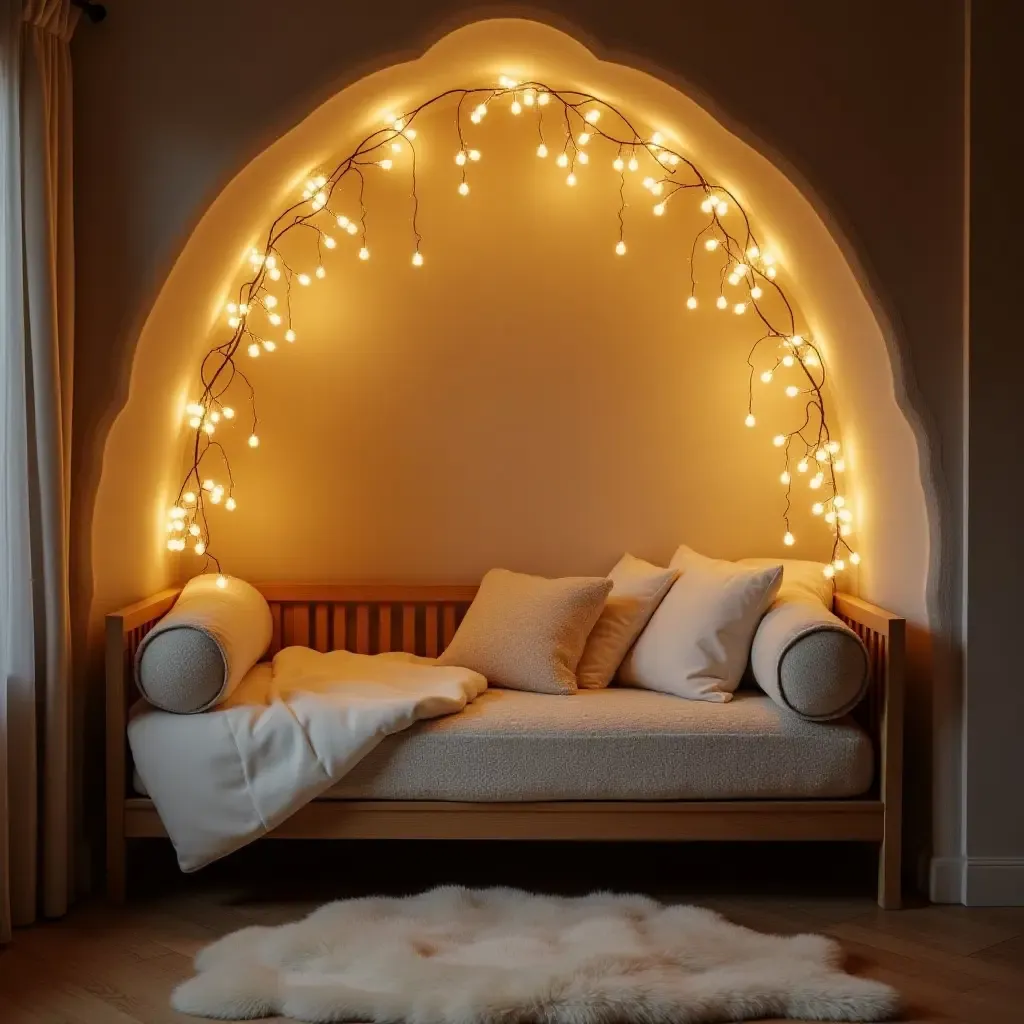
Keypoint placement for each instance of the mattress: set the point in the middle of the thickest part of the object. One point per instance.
(614, 744)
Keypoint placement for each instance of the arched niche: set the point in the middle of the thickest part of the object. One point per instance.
(356, 526)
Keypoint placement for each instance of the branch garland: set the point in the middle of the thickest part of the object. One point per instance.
(257, 318)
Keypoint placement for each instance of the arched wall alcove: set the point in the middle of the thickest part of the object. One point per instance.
(526, 398)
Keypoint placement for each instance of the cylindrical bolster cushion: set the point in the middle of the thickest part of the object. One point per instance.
(196, 655)
(809, 661)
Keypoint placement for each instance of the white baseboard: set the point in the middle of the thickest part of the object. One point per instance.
(978, 881)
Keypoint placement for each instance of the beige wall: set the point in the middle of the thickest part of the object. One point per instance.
(383, 445)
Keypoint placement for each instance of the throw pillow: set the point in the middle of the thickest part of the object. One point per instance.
(526, 632)
(637, 589)
(803, 656)
(698, 641)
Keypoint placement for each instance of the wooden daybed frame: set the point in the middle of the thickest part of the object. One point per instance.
(422, 619)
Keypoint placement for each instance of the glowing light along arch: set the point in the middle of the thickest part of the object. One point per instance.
(809, 449)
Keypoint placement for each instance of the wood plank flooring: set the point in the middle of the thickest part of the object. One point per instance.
(106, 965)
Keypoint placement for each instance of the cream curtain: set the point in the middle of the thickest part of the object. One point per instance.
(36, 328)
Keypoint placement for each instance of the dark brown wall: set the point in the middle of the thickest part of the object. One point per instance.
(862, 100)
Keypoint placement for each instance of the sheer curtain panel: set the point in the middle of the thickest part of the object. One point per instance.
(36, 346)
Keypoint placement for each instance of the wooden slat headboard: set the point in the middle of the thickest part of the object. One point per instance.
(366, 619)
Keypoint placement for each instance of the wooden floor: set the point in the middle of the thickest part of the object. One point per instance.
(104, 965)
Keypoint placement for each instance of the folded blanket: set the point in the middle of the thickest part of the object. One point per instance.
(290, 730)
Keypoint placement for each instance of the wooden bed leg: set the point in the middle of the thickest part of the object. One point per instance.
(890, 857)
(890, 868)
(116, 726)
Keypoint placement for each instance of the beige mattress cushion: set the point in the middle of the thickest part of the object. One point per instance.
(615, 744)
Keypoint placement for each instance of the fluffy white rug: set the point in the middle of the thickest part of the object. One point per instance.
(498, 956)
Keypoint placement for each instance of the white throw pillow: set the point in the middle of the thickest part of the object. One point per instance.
(698, 641)
(637, 589)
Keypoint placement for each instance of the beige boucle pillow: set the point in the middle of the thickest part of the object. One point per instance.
(637, 590)
(526, 632)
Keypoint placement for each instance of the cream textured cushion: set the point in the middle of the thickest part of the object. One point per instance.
(527, 632)
(698, 641)
(803, 657)
(637, 590)
(612, 744)
(194, 657)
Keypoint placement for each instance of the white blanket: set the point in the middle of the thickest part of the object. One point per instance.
(291, 730)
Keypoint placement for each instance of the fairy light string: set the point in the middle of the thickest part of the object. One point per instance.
(261, 315)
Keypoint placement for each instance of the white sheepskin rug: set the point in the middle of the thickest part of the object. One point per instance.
(499, 956)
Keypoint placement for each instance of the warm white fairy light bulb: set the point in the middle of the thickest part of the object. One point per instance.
(516, 108)
(779, 440)
(802, 466)
(543, 98)
(570, 180)
(268, 345)
(364, 253)
(633, 164)
(593, 116)
(788, 361)
(463, 189)
(740, 308)
(253, 350)
(583, 138)
(766, 377)
(460, 157)
(320, 273)
(828, 571)
(659, 209)
(753, 252)
(657, 139)
(691, 302)
(721, 207)
(788, 539)
(417, 259)
(542, 150)
(189, 497)
(750, 421)
(562, 160)
(304, 279)
(722, 302)
(707, 205)
(711, 244)
(474, 155)
(231, 504)
(222, 582)
(620, 248)
(289, 335)
(755, 292)
(254, 441)
(619, 164)
(583, 158)
(329, 242)
(854, 558)
(792, 391)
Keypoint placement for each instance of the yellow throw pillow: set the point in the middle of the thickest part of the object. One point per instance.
(526, 632)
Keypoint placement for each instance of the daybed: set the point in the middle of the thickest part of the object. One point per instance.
(602, 765)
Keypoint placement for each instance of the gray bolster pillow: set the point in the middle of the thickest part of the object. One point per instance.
(196, 655)
(809, 661)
